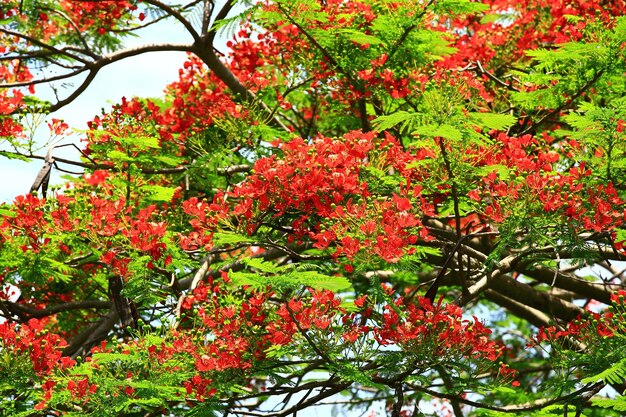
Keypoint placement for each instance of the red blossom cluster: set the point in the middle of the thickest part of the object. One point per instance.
(28, 221)
(588, 328)
(397, 87)
(11, 100)
(344, 19)
(358, 194)
(235, 330)
(242, 333)
(104, 15)
(197, 98)
(561, 192)
(309, 178)
(81, 388)
(508, 38)
(319, 188)
(43, 349)
(108, 218)
(437, 329)
(204, 218)
(57, 232)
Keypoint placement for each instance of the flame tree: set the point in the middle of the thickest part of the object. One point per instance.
(317, 214)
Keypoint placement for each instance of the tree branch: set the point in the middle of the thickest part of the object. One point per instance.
(570, 282)
(539, 300)
(89, 337)
(48, 311)
(222, 14)
(567, 104)
(518, 408)
(41, 44)
(176, 15)
(533, 316)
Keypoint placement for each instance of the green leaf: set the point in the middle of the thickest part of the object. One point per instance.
(227, 238)
(449, 132)
(444, 130)
(493, 120)
(144, 403)
(320, 281)
(119, 156)
(262, 265)
(275, 351)
(349, 306)
(502, 170)
(570, 18)
(11, 155)
(158, 192)
(617, 404)
(169, 160)
(504, 390)
(349, 372)
(7, 213)
(620, 235)
(613, 375)
(280, 278)
(106, 358)
(140, 142)
(387, 122)
(241, 279)
(361, 38)
(460, 6)
(62, 272)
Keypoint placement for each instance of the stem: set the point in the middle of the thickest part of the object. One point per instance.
(457, 212)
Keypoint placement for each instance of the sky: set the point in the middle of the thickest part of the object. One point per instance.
(143, 76)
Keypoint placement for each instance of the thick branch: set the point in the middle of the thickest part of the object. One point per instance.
(531, 315)
(45, 79)
(208, 56)
(479, 69)
(332, 389)
(362, 108)
(206, 53)
(62, 103)
(100, 63)
(539, 300)
(89, 337)
(231, 170)
(77, 305)
(518, 408)
(405, 34)
(570, 282)
(268, 255)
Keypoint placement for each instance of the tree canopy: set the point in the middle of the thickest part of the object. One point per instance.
(400, 208)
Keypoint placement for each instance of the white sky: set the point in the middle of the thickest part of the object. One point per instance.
(142, 76)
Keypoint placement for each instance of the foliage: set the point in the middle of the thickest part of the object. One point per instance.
(320, 214)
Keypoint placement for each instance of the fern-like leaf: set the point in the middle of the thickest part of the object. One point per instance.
(617, 404)
(493, 120)
(613, 375)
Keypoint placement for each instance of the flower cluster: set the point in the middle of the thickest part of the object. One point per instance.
(43, 349)
(103, 15)
(438, 330)
(591, 327)
(319, 190)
